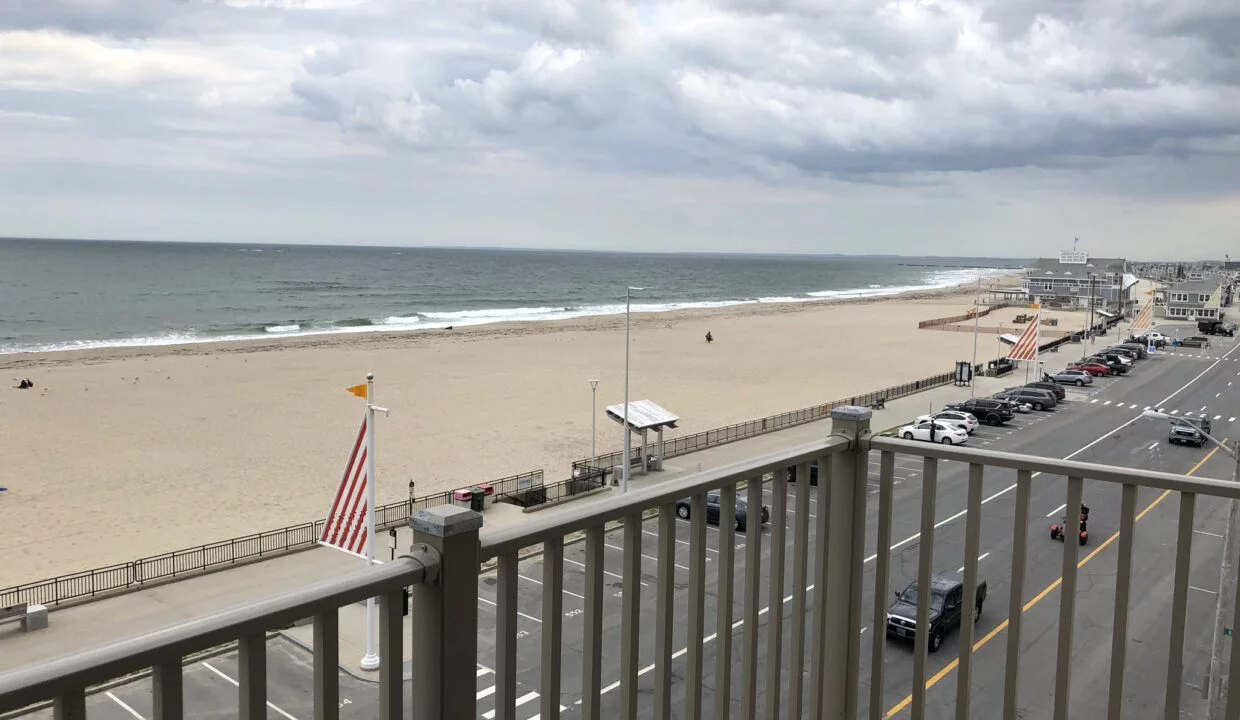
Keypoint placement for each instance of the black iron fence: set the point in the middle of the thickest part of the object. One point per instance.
(217, 555)
(543, 494)
(740, 431)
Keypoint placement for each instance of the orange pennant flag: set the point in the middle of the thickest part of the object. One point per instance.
(358, 390)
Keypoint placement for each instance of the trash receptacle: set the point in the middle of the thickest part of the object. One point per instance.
(477, 499)
(463, 498)
(488, 494)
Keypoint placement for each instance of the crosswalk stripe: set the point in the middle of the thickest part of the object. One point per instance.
(1091, 402)
(1218, 417)
(1174, 412)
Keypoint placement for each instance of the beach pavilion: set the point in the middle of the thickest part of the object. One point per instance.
(645, 416)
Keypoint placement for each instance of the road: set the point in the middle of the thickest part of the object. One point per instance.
(1098, 425)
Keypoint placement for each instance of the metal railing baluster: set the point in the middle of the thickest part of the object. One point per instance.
(1123, 586)
(506, 637)
(630, 615)
(252, 677)
(70, 704)
(818, 621)
(753, 597)
(664, 606)
(882, 581)
(1067, 602)
(695, 649)
(1016, 599)
(326, 665)
(552, 627)
(168, 691)
(925, 571)
(775, 594)
(969, 609)
(800, 566)
(391, 655)
(723, 597)
(592, 645)
(1179, 606)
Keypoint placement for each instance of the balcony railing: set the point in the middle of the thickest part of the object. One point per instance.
(801, 657)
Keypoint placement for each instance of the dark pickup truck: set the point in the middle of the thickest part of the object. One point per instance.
(946, 610)
(1188, 431)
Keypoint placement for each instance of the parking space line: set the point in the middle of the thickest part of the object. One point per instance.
(1203, 532)
(270, 704)
(1198, 589)
(124, 706)
(484, 670)
(492, 603)
(1057, 510)
(648, 557)
(682, 542)
(539, 582)
(605, 572)
(980, 558)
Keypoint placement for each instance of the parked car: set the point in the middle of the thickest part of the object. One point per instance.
(990, 411)
(1113, 357)
(963, 420)
(1073, 377)
(1033, 397)
(1013, 404)
(934, 431)
(1195, 341)
(1115, 367)
(1188, 431)
(1216, 327)
(1156, 339)
(946, 610)
(1049, 386)
(1095, 369)
(684, 508)
(1142, 351)
(1123, 352)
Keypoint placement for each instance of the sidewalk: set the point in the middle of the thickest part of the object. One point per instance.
(101, 622)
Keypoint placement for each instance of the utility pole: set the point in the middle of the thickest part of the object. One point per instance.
(1089, 334)
(1225, 611)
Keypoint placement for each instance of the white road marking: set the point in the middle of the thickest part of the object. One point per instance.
(1152, 445)
(492, 603)
(1203, 532)
(1093, 401)
(980, 558)
(125, 706)
(1203, 407)
(1108, 402)
(270, 704)
(1173, 412)
(1217, 394)
(1231, 419)
(539, 582)
(682, 542)
(1218, 417)
(648, 557)
(1057, 510)
(1208, 592)
(605, 572)
(484, 670)
(486, 692)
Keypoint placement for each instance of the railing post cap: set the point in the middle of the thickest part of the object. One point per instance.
(851, 412)
(445, 521)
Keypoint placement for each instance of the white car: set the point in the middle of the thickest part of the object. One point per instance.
(963, 420)
(942, 432)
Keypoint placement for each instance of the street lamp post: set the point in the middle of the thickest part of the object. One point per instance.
(593, 423)
(628, 459)
(1216, 697)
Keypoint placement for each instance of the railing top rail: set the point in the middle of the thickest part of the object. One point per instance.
(30, 684)
(572, 519)
(1065, 468)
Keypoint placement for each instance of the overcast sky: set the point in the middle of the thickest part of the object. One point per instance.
(958, 127)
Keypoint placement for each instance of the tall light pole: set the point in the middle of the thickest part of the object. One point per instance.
(973, 368)
(593, 422)
(628, 459)
(1216, 696)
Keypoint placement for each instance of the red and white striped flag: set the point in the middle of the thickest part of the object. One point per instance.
(1026, 348)
(348, 527)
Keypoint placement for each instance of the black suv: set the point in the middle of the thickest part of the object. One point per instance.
(1052, 387)
(987, 410)
(946, 610)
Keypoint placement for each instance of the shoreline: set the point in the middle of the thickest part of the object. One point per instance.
(481, 331)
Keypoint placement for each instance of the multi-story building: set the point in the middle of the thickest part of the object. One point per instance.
(1071, 279)
(1191, 300)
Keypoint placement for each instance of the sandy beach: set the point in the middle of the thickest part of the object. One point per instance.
(124, 453)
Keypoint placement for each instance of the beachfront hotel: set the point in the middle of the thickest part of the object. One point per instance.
(1068, 282)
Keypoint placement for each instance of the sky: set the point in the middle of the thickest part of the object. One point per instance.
(957, 127)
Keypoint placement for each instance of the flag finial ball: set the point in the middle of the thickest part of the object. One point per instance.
(370, 376)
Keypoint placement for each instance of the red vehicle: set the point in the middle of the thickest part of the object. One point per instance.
(1057, 530)
(1092, 368)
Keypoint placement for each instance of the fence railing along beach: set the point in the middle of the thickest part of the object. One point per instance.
(935, 322)
(217, 555)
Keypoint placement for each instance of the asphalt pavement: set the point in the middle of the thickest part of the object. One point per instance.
(1099, 424)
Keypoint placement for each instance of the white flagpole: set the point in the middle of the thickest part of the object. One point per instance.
(370, 661)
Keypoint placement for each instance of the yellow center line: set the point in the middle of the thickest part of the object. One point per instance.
(938, 677)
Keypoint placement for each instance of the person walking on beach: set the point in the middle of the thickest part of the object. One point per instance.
(709, 338)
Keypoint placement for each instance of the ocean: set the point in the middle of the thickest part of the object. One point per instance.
(69, 295)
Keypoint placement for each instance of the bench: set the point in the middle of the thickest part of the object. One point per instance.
(32, 617)
(879, 404)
